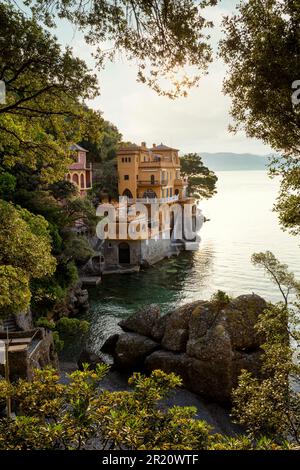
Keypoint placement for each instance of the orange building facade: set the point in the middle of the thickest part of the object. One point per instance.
(80, 172)
(150, 176)
(150, 173)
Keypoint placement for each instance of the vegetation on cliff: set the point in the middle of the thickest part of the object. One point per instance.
(52, 415)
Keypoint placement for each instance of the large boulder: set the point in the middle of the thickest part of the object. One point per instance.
(109, 344)
(131, 350)
(240, 317)
(159, 327)
(207, 343)
(168, 362)
(143, 321)
(176, 328)
(202, 323)
(209, 379)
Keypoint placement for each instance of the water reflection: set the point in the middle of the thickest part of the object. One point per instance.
(169, 283)
(242, 222)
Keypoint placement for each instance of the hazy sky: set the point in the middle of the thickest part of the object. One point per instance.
(193, 124)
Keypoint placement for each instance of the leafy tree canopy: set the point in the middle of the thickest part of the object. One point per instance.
(262, 50)
(163, 37)
(25, 254)
(201, 180)
(104, 147)
(45, 89)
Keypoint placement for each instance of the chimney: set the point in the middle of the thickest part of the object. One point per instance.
(154, 145)
(143, 144)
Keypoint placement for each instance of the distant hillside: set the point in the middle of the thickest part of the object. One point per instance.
(234, 161)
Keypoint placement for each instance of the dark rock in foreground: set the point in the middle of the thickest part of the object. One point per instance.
(92, 359)
(132, 349)
(205, 342)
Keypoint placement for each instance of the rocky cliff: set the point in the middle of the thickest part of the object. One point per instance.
(207, 343)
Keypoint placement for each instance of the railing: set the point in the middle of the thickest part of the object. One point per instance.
(154, 200)
(149, 183)
(163, 182)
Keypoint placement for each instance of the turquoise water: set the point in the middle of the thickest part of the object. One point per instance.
(241, 222)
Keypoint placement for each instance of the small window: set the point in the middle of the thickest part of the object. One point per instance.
(123, 159)
(126, 159)
(129, 159)
(126, 177)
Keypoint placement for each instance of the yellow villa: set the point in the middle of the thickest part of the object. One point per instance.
(148, 176)
(150, 173)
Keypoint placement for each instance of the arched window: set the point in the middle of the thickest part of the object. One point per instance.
(124, 253)
(82, 185)
(75, 179)
(150, 194)
(68, 176)
(176, 192)
(127, 193)
(152, 179)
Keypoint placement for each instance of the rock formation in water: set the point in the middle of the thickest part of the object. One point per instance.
(207, 343)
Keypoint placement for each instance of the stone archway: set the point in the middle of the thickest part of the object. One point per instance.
(82, 180)
(150, 194)
(124, 253)
(127, 193)
(75, 179)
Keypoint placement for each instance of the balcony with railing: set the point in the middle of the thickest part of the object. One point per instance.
(158, 163)
(148, 183)
(155, 200)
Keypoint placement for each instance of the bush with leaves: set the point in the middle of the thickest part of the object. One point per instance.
(76, 414)
(201, 181)
(25, 254)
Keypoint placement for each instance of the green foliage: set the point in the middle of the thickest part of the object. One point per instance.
(264, 32)
(15, 294)
(278, 273)
(201, 181)
(63, 189)
(46, 294)
(55, 415)
(25, 254)
(64, 330)
(106, 182)
(262, 51)
(163, 38)
(271, 406)
(221, 299)
(104, 147)
(80, 212)
(288, 201)
(45, 323)
(58, 342)
(72, 327)
(7, 185)
(45, 87)
(78, 248)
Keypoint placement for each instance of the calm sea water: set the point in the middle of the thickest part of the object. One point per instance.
(241, 222)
